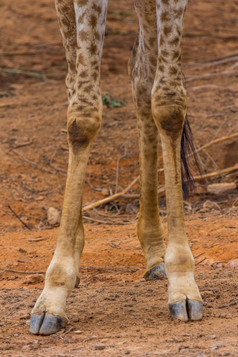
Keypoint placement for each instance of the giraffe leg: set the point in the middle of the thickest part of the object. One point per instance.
(169, 109)
(142, 71)
(83, 122)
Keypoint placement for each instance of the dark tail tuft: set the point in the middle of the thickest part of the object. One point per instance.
(187, 153)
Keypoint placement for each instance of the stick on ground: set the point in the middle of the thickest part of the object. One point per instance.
(19, 218)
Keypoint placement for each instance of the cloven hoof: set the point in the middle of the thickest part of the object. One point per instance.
(186, 309)
(156, 273)
(46, 324)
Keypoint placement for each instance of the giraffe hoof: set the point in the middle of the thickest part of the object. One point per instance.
(35, 324)
(185, 310)
(178, 310)
(46, 324)
(195, 308)
(77, 282)
(156, 273)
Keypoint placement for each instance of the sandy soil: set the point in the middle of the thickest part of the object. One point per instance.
(114, 311)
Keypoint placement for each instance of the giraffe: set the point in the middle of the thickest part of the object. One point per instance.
(160, 99)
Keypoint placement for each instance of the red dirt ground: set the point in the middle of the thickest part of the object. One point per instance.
(114, 311)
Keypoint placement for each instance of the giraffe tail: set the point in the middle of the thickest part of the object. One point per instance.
(188, 152)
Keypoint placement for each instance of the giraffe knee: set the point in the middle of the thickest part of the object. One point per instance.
(82, 129)
(169, 118)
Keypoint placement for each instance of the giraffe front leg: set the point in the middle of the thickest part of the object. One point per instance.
(142, 71)
(48, 314)
(169, 110)
(149, 228)
(184, 301)
(82, 25)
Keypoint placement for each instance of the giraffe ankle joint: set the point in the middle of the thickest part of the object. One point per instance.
(179, 260)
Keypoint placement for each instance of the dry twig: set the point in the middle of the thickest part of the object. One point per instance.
(215, 61)
(197, 256)
(66, 333)
(31, 162)
(19, 218)
(27, 143)
(114, 269)
(58, 169)
(106, 221)
(21, 272)
(91, 268)
(12, 71)
(216, 141)
(112, 197)
(217, 173)
(200, 261)
(210, 75)
(35, 240)
(160, 191)
(8, 105)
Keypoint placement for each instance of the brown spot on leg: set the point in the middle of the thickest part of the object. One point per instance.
(80, 59)
(93, 49)
(164, 53)
(176, 55)
(173, 70)
(83, 36)
(83, 74)
(152, 41)
(97, 35)
(165, 2)
(93, 21)
(161, 40)
(77, 136)
(179, 12)
(167, 30)
(164, 17)
(171, 119)
(175, 41)
(97, 8)
(82, 2)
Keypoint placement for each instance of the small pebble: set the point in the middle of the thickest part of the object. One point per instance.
(39, 198)
(53, 216)
(215, 347)
(34, 279)
(99, 347)
(211, 205)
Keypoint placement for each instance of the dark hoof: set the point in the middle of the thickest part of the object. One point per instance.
(46, 324)
(35, 324)
(178, 310)
(195, 308)
(156, 273)
(77, 282)
(185, 310)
